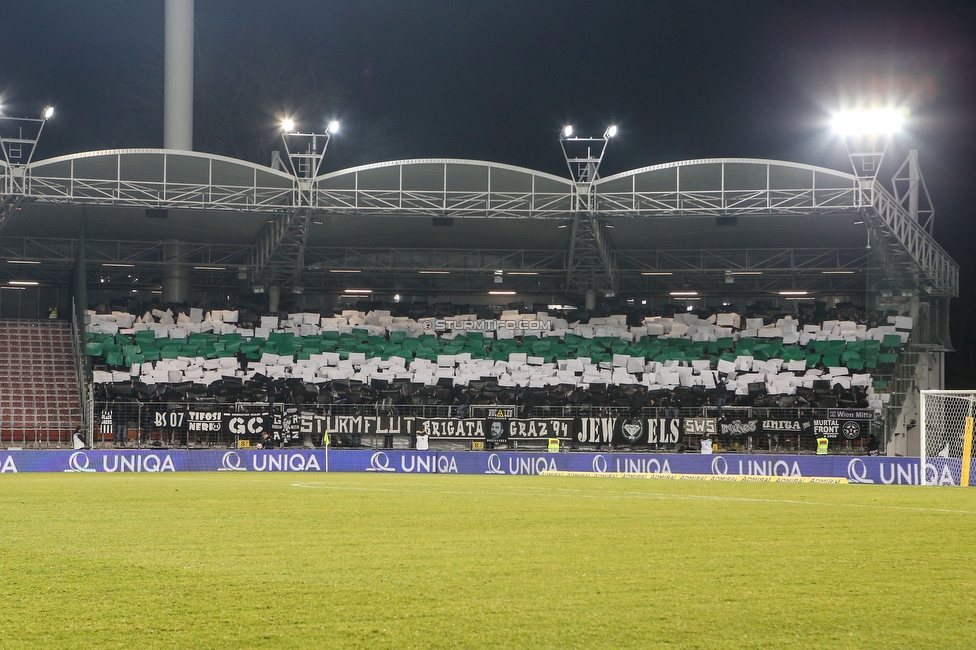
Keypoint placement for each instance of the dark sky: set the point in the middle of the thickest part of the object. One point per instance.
(496, 80)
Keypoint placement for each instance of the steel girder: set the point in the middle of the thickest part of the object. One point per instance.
(151, 178)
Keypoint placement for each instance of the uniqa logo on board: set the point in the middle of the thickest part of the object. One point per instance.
(80, 462)
(231, 462)
(599, 464)
(284, 462)
(380, 462)
(521, 465)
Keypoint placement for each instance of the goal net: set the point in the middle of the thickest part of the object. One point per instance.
(946, 437)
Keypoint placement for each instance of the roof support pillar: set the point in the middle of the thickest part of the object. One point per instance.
(178, 76)
(176, 275)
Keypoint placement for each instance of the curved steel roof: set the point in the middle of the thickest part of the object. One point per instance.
(230, 190)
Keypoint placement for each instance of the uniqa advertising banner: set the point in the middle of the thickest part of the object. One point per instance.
(857, 469)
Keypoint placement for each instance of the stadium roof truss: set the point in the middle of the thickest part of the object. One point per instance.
(466, 189)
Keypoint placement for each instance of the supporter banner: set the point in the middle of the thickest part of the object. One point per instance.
(787, 426)
(496, 430)
(497, 412)
(857, 469)
(169, 419)
(468, 429)
(853, 430)
(739, 427)
(105, 425)
(826, 428)
(358, 424)
(700, 426)
(850, 414)
(243, 425)
(629, 431)
(204, 422)
(540, 428)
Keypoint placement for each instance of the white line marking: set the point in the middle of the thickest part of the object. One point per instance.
(576, 493)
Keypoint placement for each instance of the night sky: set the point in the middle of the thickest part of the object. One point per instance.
(497, 80)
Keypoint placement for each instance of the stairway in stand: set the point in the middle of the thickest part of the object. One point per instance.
(39, 397)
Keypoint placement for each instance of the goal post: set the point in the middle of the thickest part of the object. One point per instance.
(946, 437)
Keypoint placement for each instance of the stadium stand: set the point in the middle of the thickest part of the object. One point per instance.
(38, 383)
(774, 361)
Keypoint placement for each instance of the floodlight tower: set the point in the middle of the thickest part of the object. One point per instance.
(866, 135)
(281, 248)
(19, 136)
(306, 164)
(18, 141)
(583, 157)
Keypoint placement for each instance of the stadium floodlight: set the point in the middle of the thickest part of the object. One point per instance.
(18, 144)
(584, 155)
(868, 122)
(306, 164)
(866, 134)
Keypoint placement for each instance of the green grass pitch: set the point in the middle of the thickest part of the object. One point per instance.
(430, 561)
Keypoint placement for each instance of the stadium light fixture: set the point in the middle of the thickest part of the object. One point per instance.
(344, 271)
(838, 272)
(683, 293)
(23, 262)
(305, 164)
(868, 122)
(434, 272)
(23, 283)
(794, 293)
(656, 273)
(121, 265)
(501, 293)
(523, 273)
(358, 291)
(17, 149)
(583, 155)
(866, 134)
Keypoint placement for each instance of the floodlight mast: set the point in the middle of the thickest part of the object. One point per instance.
(866, 135)
(583, 157)
(306, 164)
(18, 150)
